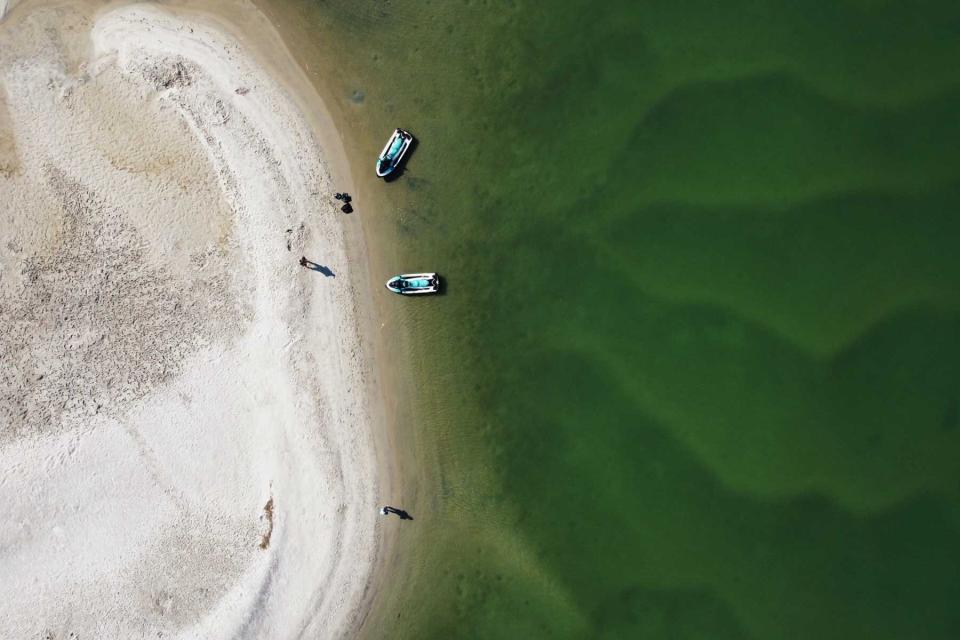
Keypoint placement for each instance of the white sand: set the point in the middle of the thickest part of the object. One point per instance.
(168, 369)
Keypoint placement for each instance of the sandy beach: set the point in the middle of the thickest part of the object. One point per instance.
(187, 424)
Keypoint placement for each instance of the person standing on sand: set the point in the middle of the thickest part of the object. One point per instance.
(303, 261)
(399, 512)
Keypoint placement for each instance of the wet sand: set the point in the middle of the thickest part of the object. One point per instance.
(188, 418)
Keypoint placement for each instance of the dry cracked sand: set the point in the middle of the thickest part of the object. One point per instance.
(185, 421)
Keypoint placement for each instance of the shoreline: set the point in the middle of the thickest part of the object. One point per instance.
(272, 47)
(276, 159)
(401, 468)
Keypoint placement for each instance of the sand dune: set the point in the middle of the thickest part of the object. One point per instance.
(185, 438)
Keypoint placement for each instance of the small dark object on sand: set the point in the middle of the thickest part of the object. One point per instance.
(303, 261)
(346, 208)
(338, 196)
(346, 197)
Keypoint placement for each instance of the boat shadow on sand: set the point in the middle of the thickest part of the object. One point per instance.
(402, 166)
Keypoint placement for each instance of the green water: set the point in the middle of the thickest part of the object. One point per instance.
(697, 371)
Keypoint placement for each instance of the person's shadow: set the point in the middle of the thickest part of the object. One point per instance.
(313, 266)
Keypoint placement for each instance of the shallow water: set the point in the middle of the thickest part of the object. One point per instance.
(696, 371)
